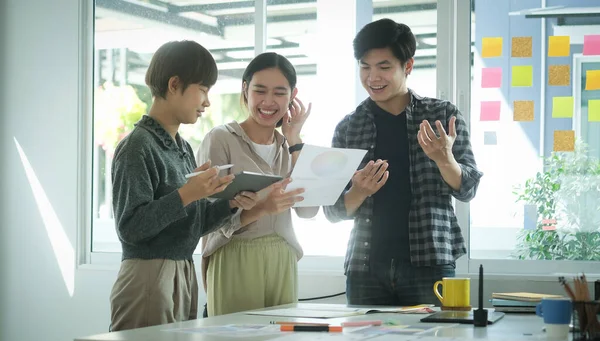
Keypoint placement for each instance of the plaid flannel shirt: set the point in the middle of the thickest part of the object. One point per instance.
(435, 237)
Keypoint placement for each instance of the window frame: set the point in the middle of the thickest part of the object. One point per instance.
(453, 63)
(544, 270)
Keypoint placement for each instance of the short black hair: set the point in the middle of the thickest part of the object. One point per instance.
(386, 33)
(186, 59)
(265, 61)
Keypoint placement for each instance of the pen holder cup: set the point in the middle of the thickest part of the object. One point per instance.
(586, 317)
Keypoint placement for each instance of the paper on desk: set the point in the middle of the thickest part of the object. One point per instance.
(323, 336)
(231, 330)
(324, 173)
(309, 313)
(331, 312)
(400, 329)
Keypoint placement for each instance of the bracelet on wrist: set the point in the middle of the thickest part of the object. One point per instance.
(296, 147)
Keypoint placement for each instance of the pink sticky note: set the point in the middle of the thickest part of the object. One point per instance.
(491, 77)
(490, 111)
(591, 45)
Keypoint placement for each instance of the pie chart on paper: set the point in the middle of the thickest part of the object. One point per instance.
(329, 164)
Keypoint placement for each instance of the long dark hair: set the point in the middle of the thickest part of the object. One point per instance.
(265, 61)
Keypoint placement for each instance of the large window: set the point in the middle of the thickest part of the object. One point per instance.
(315, 35)
(535, 122)
(126, 35)
(527, 81)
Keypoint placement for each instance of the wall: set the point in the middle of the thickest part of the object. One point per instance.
(508, 26)
(3, 170)
(505, 26)
(39, 107)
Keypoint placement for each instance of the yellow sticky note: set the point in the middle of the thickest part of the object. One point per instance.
(522, 75)
(521, 47)
(559, 75)
(562, 107)
(592, 80)
(559, 46)
(523, 111)
(491, 47)
(564, 140)
(594, 110)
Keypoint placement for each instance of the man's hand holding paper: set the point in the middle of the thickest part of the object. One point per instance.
(324, 172)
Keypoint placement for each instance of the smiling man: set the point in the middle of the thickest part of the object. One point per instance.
(405, 234)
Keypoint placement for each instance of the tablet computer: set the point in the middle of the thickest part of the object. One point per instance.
(465, 317)
(247, 181)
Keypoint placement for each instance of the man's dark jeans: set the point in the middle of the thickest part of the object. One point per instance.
(396, 284)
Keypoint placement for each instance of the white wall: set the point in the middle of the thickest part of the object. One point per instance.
(39, 107)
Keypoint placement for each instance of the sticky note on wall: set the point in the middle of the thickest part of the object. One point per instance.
(564, 140)
(523, 111)
(490, 111)
(521, 47)
(530, 216)
(490, 138)
(491, 47)
(594, 110)
(562, 107)
(491, 77)
(592, 80)
(559, 46)
(559, 75)
(522, 75)
(591, 45)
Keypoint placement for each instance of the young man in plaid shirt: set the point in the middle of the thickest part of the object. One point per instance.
(405, 234)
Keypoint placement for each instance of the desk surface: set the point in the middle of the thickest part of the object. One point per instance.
(511, 327)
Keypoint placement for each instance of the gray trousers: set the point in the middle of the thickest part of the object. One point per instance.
(152, 292)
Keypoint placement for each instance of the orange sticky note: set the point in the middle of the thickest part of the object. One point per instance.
(559, 46)
(491, 47)
(564, 140)
(594, 110)
(592, 80)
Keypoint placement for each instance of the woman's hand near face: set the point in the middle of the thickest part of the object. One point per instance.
(294, 120)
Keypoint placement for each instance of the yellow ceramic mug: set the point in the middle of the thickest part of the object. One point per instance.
(456, 292)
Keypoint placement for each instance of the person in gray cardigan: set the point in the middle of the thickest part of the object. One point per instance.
(159, 214)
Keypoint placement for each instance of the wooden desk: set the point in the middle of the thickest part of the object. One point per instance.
(508, 328)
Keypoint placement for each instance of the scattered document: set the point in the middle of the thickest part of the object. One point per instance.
(308, 313)
(324, 173)
(323, 337)
(388, 337)
(400, 329)
(231, 330)
(331, 312)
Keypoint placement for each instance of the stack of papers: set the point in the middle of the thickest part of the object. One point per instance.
(517, 302)
(523, 296)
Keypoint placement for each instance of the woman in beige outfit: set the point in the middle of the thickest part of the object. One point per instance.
(251, 262)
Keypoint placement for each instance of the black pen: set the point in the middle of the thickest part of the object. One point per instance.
(292, 328)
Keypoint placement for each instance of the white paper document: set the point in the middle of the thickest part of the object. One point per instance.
(333, 312)
(324, 173)
(231, 330)
(308, 313)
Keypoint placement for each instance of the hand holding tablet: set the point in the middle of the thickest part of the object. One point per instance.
(204, 184)
(219, 168)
